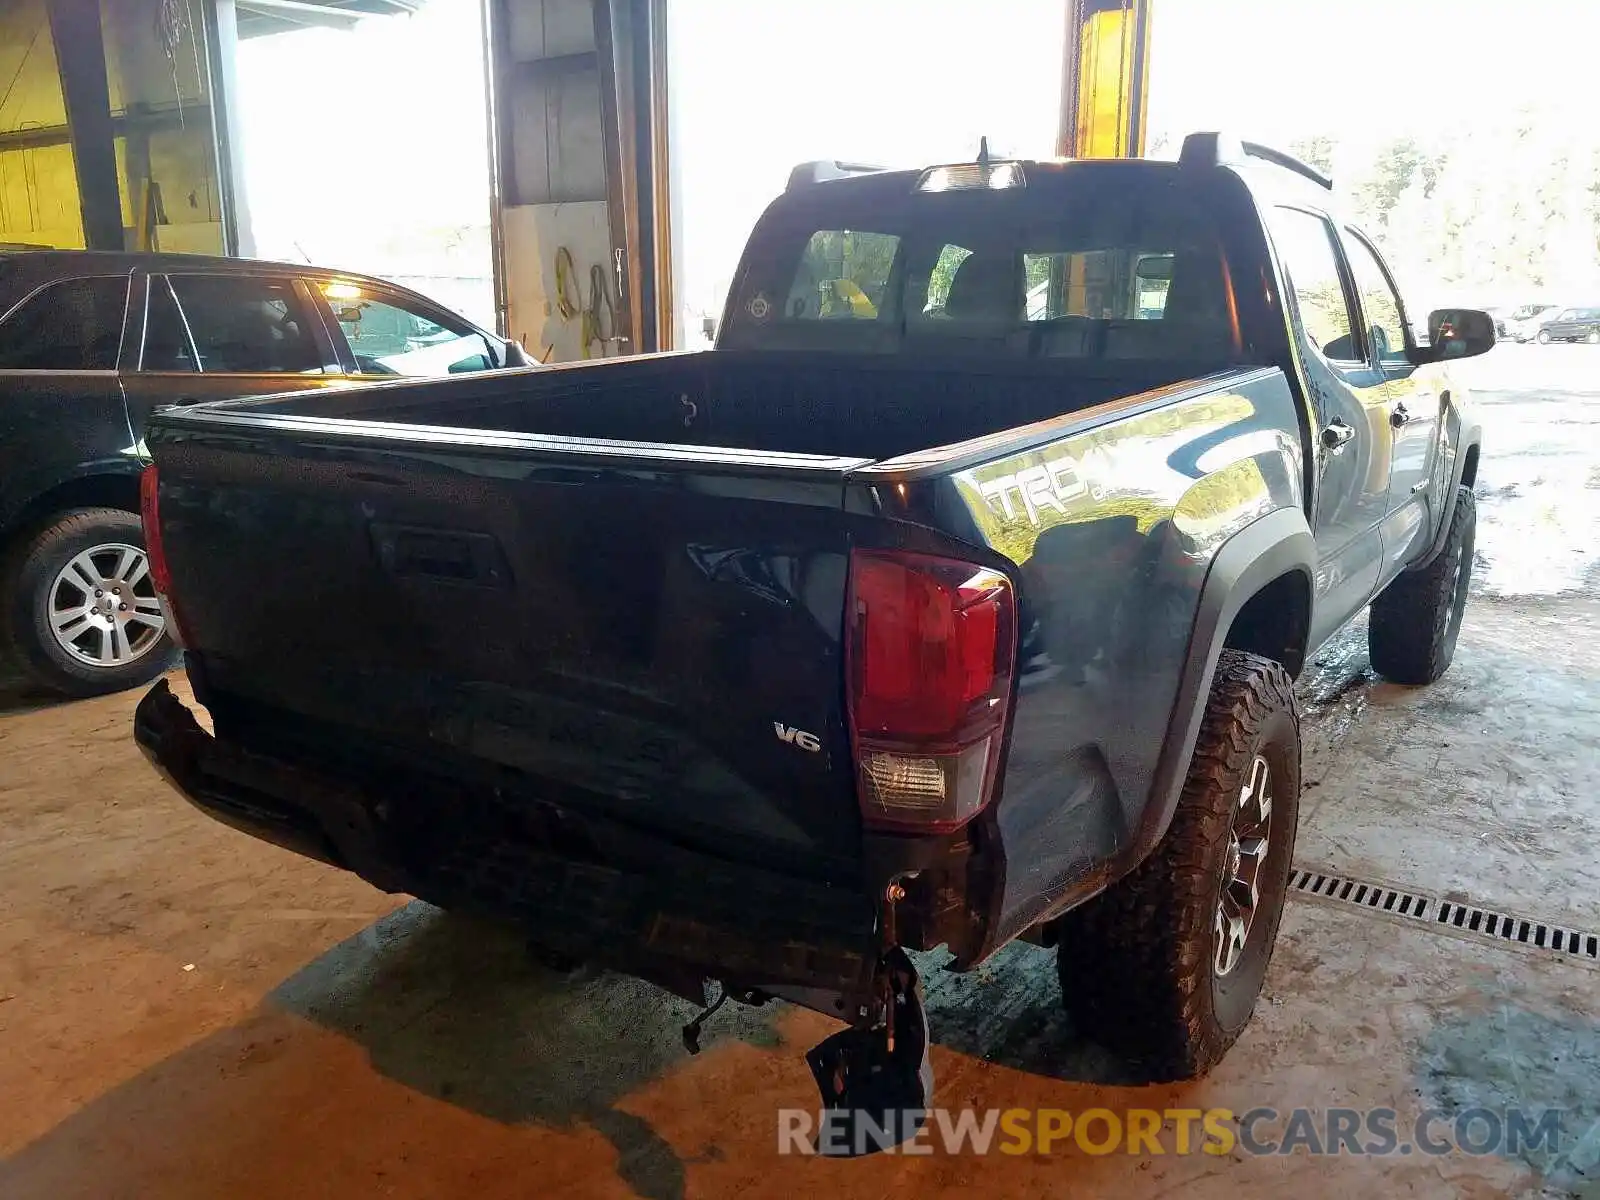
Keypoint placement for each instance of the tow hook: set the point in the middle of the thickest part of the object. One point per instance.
(876, 1080)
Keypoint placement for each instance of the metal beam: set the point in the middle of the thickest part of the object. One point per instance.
(302, 13)
(81, 63)
(1105, 79)
(121, 124)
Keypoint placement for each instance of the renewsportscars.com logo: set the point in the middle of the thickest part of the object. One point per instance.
(1370, 1132)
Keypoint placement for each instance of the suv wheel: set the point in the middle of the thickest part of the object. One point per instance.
(81, 615)
(1544, 337)
(1415, 621)
(1165, 967)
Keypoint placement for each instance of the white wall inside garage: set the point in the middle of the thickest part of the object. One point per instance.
(756, 87)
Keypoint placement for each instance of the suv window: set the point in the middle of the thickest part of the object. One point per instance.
(1305, 246)
(71, 325)
(843, 274)
(246, 324)
(166, 338)
(1378, 301)
(391, 337)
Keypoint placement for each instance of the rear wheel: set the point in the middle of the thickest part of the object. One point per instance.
(1593, 337)
(1166, 966)
(81, 615)
(1416, 620)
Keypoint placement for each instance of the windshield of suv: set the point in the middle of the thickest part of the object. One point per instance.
(1103, 268)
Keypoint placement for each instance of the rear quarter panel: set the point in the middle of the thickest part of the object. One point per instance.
(1111, 529)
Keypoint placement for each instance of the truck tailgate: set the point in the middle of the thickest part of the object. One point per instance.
(648, 633)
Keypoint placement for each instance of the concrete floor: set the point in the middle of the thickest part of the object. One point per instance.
(187, 1013)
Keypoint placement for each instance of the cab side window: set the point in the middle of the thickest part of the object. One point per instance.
(1305, 247)
(1381, 306)
(71, 325)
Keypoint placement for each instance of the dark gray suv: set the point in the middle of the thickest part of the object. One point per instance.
(90, 343)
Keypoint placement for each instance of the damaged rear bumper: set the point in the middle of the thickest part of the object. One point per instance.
(645, 907)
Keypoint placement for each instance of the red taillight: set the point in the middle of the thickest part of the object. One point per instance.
(156, 550)
(150, 514)
(932, 646)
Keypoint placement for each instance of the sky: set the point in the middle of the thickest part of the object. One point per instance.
(356, 138)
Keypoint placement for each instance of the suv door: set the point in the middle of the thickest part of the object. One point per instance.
(1350, 402)
(61, 411)
(215, 336)
(383, 333)
(1415, 402)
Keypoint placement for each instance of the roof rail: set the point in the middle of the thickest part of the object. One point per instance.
(825, 169)
(1214, 149)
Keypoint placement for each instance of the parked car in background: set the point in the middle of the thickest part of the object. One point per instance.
(1571, 325)
(90, 344)
(1525, 320)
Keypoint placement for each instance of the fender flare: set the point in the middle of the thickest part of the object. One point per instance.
(1277, 544)
(1466, 439)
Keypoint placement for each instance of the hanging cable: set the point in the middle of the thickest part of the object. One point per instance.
(567, 307)
(593, 329)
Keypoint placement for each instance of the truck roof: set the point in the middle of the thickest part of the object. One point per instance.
(1263, 167)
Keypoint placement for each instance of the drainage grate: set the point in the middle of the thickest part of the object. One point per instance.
(1364, 895)
(1447, 916)
(1516, 929)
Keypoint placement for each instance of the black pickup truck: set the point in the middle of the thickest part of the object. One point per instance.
(956, 596)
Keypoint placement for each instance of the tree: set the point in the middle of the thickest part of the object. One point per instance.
(1317, 150)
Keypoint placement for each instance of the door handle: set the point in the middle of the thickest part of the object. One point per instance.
(1336, 435)
(1399, 416)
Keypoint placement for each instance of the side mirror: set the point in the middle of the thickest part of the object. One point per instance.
(1458, 333)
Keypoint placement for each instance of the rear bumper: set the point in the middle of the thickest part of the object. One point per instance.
(682, 919)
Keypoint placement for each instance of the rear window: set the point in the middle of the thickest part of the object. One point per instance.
(1125, 268)
(843, 274)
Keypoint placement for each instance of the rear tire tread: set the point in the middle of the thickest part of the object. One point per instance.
(1145, 945)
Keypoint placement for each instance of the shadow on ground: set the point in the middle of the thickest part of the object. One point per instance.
(455, 1011)
(18, 695)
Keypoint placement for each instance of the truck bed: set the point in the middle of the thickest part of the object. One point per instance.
(840, 406)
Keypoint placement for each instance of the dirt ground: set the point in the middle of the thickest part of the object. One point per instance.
(185, 1012)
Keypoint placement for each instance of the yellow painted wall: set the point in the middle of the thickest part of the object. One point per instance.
(38, 187)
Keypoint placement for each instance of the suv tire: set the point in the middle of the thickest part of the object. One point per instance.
(1142, 966)
(117, 639)
(1416, 620)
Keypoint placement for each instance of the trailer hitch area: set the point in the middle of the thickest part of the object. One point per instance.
(876, 1080)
